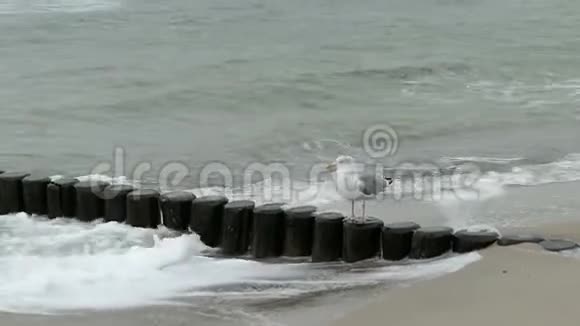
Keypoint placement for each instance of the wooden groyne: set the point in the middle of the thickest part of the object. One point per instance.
(240, 227)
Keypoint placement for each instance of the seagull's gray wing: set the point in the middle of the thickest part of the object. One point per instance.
(372, 184)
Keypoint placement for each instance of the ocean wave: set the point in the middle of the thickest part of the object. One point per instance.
(519, 171)
(14, 7)
(487, 164)
(491, 176)
(530, 95)
(566, 169)
(485, 159)
(467, 178)
(408, 72)
(61, 265)
(462, 177)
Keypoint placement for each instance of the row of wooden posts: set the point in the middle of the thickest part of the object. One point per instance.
(236, 227)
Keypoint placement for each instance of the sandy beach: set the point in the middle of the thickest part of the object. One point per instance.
(519, 285)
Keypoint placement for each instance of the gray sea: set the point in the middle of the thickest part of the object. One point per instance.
(490, 85)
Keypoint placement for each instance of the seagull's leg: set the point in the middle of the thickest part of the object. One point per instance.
(364, 208)
(352, 209)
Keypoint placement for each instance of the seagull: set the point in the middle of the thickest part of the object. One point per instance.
(353, 184)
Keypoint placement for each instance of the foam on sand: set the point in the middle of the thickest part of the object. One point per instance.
(61, 265)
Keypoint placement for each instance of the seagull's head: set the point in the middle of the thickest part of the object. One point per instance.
(340, 161)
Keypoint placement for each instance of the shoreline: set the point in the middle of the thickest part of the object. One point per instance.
(517, 285)
(555, 200)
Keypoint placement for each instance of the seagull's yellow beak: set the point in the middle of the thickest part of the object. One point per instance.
(331, 167)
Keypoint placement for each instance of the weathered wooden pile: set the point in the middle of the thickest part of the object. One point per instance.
(239, 227)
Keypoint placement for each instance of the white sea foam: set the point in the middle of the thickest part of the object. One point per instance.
(52, 266)
(497, 160)
(528, 94)
(492, 183)
(574, 253)
(442, 188)
(565, 170)
(106, 178)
